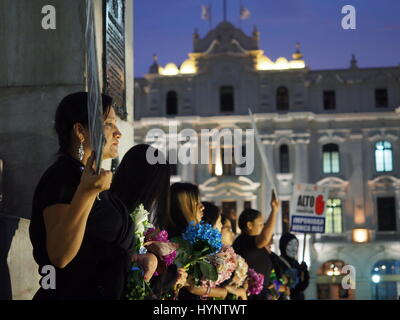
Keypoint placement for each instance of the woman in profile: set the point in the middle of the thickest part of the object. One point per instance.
(136, 182)
(187, 207)
(87, 241)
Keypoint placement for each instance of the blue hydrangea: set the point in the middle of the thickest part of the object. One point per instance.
(203, 232)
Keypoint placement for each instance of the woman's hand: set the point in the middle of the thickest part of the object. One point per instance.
(274, 203)
(148, 262)
(239, 292)
(182, 278)
(93, 183)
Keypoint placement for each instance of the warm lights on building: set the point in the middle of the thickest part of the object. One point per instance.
(360, 235)
(170, 70)
(188, 67)
(264, 64)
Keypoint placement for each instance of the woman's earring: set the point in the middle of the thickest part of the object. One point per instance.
(81, 152)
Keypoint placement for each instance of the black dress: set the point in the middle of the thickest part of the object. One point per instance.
(99, 269)
(257, 259)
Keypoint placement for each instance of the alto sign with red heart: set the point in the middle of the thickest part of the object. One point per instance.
(307, 214)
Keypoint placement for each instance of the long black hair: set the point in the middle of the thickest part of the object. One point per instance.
(211, 213)
(248, 215)
(183, 197)
(73, 109)
(137, 181)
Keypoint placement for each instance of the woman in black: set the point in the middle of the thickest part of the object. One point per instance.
(87, 241)
(251, 244)
(136, 182)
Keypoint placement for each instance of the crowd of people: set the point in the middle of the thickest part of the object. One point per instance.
(81, 224)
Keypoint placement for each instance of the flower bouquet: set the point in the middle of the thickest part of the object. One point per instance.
(274, 291)
(197, 242)
(225, 262)
(256, 282)
(148, 239)
(137, 288)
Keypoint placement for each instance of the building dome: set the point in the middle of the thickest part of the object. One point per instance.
(188, 67)
(169, 70)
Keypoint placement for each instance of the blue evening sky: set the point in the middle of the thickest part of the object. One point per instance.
(165, 27)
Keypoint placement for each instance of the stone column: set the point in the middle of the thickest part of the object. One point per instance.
(356, 189)
(266, 185)
(301, 168)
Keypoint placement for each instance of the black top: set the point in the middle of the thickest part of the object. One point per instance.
(257, 258)
(99, 269)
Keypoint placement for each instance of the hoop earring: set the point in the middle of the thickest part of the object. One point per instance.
(81, 152)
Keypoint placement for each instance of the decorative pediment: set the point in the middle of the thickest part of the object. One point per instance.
(225, 38)
(333, 182)
(384, 182)
(229, 186)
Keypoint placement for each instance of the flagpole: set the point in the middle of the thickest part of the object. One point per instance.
(240, 14)
(224, 10)
(210, 20)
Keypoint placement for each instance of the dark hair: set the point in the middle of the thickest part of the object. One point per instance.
(137, 181)
(182, 196)
(248, 215)
(211, 213)
(73, 109)
(224, 218)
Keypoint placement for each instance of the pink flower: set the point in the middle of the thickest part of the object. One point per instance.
(256, 282)
(225, 261)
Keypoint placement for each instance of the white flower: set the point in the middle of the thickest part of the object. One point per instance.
(141, 223)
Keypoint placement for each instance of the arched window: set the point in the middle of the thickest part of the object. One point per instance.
(172, 103)
(330, 158)
(385, 276)
(226, 99)
(383, 156)
(284, 159)
(282, 98)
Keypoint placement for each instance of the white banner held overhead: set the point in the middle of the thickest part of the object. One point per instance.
(94, 104)
(264, 159)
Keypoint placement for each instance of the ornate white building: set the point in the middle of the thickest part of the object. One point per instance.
(338, 128)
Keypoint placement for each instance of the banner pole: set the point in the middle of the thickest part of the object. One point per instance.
(304, 245)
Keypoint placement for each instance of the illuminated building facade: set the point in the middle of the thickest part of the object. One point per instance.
(338, 128)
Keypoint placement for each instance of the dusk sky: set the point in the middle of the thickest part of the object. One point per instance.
(165, 27)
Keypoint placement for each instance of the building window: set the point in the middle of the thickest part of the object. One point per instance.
(172, 103)
(282, 99)
(330, 158)
(228, 165)
(333, 220)
(247, 205)
(174, 169)
(386, 214)
(284, 159)
(220, 164)
(226, 99)
(285, 216)
(383, 156)
(385, 276)
(381, 98)
(329, 100)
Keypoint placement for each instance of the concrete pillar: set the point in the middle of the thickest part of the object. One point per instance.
(301, 173)
(356, 189)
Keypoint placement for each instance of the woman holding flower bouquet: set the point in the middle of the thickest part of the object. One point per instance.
(196, 240)
(256, 235)
(144, 188)
(228, 263)
(84, 239)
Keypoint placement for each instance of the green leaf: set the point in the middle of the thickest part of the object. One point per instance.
(208, 270)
